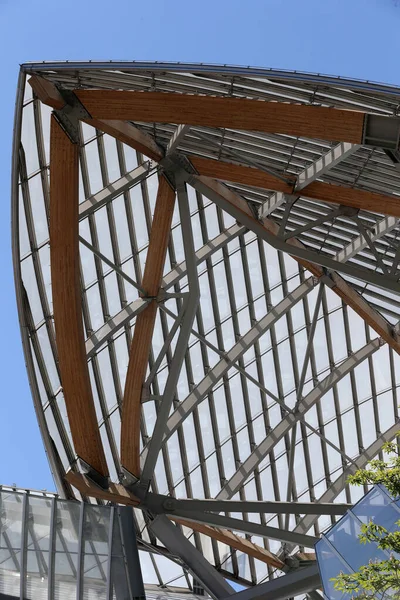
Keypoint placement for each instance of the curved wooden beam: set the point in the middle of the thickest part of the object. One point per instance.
(65, 280)
(234, 541)
(129, 135)
(236, 113)
(143, 332)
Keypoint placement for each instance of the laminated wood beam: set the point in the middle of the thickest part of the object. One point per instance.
(66, 291)
(319, 122)
(143, 332)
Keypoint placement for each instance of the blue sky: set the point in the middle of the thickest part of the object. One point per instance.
(355, 38)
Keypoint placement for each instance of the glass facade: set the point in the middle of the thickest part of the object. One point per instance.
(64, 550)
(340, 550)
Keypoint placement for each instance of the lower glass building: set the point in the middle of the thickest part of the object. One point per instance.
(207, 275)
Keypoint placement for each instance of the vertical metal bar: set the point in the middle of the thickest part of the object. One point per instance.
(299, 395)
(52, 549)
(181, 346)
(109, 582)
(290, 200)
(24, 545)
(131, 553)
(81, 550)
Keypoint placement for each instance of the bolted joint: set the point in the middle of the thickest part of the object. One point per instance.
(169, 504)
(71, 114)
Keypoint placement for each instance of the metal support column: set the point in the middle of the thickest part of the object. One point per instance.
(174, 540)
(128, 537)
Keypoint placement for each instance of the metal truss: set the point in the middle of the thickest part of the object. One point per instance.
(324, 164)
(102, 335)
(115, 189)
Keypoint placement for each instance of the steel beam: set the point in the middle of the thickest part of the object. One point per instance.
(106, 331)
(300, 387)
(321, 166)
(330, 216)
(274, 202)
(203, 254)
(110, 264)
(166, 345)
(192, 303)
(128, 538)
(268, 230)
(267, 445)
(177, 544)
(115, 189)
(247, 527)
(177, 138)
(165, 504)
(294, 584)
(201, 390)
(357, 245)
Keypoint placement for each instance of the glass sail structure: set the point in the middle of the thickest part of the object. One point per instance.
(207, 275)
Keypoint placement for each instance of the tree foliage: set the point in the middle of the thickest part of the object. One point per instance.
(379, 578)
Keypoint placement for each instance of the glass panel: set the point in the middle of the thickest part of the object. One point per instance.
(330, 566)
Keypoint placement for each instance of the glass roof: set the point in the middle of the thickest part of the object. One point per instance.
(310, 396)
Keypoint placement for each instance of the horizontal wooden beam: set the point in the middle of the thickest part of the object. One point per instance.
(143, 332)
(66, 292)
(234, 541)
(318, 190)
(356, 198)
(236, 113)
(235, 173)
(47, 92)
